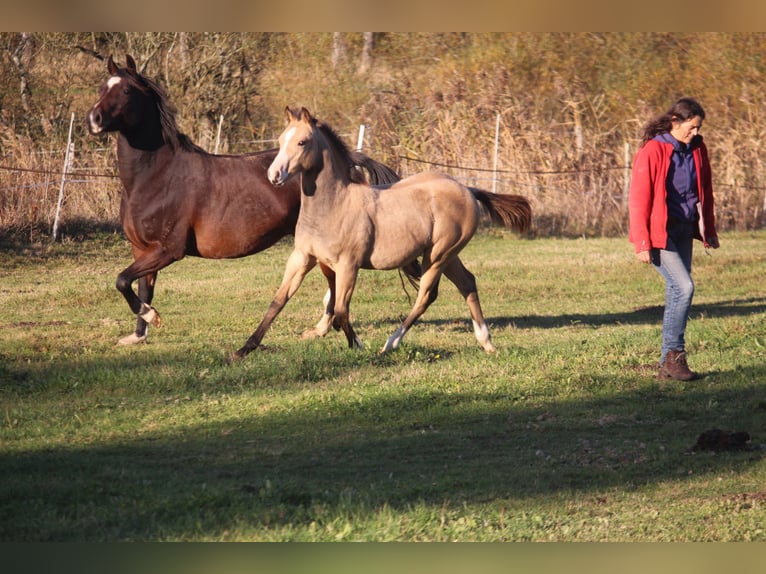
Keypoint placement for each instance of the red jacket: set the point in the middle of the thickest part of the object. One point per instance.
(648, 197)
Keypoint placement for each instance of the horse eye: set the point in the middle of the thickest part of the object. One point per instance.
(302, 143)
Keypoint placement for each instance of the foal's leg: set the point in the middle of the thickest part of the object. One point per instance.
(345, 281)
(323, 327)
(298, 264)
(429, 289)
(464, 280)
(146, 294)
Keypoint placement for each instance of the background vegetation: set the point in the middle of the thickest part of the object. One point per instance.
(570, 105)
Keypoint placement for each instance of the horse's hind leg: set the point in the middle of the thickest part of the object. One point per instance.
(323, 327)
(427, 293)
(146, 294)
(464, 280)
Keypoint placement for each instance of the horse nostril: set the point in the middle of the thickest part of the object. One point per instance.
(94, 121)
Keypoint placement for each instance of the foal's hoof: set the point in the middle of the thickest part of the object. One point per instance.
(311, 334)
(132, 339)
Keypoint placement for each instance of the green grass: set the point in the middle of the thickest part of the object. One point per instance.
(565, 434)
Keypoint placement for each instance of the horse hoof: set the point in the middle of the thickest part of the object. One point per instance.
(132, 339)
(236, 356)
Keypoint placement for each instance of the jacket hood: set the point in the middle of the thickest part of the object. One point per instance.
(665, 137)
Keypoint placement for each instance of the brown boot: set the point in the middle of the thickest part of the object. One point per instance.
(676, 368)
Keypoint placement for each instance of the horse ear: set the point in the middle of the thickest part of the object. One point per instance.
(131, 62)
(288, 114)
(111, 66)
(305, 116)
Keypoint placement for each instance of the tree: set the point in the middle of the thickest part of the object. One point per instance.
(366, 61)
(338, 49)
(21, 57)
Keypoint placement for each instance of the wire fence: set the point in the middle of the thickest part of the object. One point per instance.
(607, 187)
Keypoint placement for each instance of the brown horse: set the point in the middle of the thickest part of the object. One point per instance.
(347, 225)
(179, 200)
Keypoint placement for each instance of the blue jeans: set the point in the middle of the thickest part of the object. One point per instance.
(674, 263)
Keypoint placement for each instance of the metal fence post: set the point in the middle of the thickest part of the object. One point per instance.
(67, 164)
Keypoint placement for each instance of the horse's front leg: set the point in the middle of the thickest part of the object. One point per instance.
(146, 294)
(298, 265)
(345, 281)
(323, 327)
(147, 264)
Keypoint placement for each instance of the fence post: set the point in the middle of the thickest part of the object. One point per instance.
(497, 146)
(626, 180)
(67, 163)
(360, 138)
(218, 134)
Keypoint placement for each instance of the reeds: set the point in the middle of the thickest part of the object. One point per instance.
(570, 108)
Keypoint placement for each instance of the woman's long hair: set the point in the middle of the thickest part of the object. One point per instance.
(684, 109)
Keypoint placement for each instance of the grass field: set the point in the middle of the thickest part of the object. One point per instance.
(563, 435)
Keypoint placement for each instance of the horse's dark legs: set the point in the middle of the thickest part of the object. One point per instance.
(144, 269)
(464, 280)
(146, 294)
(298, 264)
(324, 324)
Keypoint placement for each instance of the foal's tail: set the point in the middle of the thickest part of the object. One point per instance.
(511, 211)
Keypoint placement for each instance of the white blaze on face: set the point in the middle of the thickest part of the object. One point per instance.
(110, 84)
(278, 168)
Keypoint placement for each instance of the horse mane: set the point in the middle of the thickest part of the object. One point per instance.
(171, 135)
(356, 175)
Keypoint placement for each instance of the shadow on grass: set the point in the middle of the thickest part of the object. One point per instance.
(653, 314)
(77, 230)
(350, 458)
(644, 315)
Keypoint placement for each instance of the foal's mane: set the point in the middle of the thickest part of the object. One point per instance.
(356, 175)
(170, 132)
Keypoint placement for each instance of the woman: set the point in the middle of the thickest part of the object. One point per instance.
(671, 204)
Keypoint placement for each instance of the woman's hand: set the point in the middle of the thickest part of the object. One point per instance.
(644, 256)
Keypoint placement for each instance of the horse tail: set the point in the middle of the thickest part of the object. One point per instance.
(511, 211)
(412, 271)
(379, 173)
